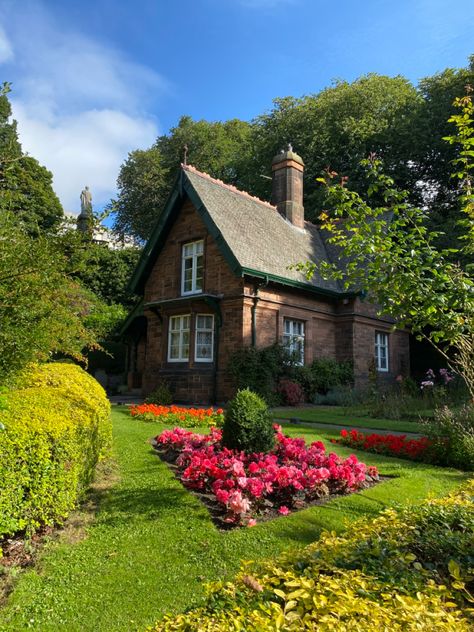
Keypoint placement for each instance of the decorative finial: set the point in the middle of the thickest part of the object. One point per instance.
(290, 147)
(185, 158)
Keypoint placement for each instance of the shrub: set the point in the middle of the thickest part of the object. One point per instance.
(328, 373)
(161, 396)
(260, 370)
(452, 435)
(291, 392)
(248, 425)
(56, 427)
(340, 396)
(409, 570)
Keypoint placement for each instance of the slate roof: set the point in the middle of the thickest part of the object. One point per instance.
(258, 236)
(255, 239)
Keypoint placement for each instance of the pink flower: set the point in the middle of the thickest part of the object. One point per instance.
(238, 504)
(284, 511)
(222, 496)
(252, 522)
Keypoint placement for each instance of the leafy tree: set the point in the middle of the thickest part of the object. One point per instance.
(103, 270)
(146, 177)
(432, 157)
(337, 128)
(42, 311)
(25, 186)
(391, 254)
(143, 184)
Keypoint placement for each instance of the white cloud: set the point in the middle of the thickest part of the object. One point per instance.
(6, 50)
(80, 106)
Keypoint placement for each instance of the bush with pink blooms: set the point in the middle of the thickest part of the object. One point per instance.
(246, 487)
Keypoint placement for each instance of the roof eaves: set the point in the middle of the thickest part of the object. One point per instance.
(135, 284)
(300, 285)
(134, 313)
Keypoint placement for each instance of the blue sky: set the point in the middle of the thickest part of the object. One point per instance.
(93, 80)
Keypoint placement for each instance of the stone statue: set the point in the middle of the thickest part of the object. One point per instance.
(85, 219)
(86, 201)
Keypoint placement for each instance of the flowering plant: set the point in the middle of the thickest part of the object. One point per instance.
(188, 417)
(443, 378)
(394, 445)
(249, 485)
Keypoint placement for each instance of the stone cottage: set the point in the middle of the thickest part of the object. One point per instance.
(215, 277)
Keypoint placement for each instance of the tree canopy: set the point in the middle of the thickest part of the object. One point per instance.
(25, 186)
(335, 128)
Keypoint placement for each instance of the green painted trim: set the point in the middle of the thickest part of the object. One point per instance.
(182, 188)
(137, 281)
(212, 228)
(300, 285)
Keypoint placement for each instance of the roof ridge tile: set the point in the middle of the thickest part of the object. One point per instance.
(230, 187)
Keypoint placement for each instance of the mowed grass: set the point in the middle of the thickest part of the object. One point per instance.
(341, 416)
(151, 546)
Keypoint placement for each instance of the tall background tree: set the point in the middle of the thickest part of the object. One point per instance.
(25, 186)
(336, 128)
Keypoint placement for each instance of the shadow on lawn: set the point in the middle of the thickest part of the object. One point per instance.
(153, 493)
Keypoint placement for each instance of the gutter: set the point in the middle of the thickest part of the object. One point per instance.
(296, 284)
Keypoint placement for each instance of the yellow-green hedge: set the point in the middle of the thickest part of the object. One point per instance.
(56, 427)
(406, 570)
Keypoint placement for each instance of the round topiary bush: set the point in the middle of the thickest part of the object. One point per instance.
(248, 425)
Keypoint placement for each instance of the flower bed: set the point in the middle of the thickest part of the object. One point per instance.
(391, 445)
(244, 487)
(188, 417)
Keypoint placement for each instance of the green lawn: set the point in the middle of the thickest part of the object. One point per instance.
(339, 415)
(151, 546)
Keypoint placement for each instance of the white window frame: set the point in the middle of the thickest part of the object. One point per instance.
(181, 330)
(295, 336)
(206, 330)
(381, 342)
(197, 251)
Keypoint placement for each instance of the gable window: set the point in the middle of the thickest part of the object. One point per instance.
(381, 351)
(192, 267)
(178, 338)
(293, 338)
(204, 338)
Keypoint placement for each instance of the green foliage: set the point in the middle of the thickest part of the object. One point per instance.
(390, 254)
(248, 424)
(146, 177)
(336, 127)
(103, 270)
(260, 370)
(452, 434)
(323, 375)
(161, 396)
(56, 427)
(410, 569)
(25, 186)
(42, 311)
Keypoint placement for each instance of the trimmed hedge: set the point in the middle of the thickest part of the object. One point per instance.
(407, 570)
(56, 427)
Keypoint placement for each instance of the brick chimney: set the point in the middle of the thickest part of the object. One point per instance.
(287, 186)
